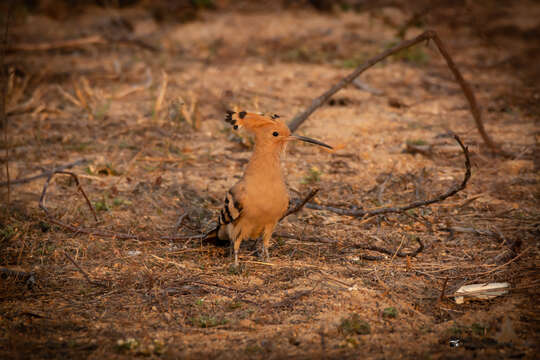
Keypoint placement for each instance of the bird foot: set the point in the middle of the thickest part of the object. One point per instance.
(264, 254)
(235, 269)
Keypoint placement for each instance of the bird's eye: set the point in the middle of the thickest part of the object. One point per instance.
(275, 133)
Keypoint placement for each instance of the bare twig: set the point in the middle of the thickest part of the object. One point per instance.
(293, 299)
(45, 173)
(84, 273)
(79, 187)
(387, 210)
(301, 204)
(441, 297)
(427, 35)
(178, 224)
(68, 96)
(469, 94)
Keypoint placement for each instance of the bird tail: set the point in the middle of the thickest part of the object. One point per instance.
(212, 238)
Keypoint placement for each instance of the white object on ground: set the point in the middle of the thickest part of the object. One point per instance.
(480, 291)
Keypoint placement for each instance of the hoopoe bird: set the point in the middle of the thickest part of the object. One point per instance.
(255, 204)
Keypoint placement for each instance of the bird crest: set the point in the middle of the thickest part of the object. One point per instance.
(250, 120)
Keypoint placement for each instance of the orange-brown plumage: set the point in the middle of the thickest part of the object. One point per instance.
(255, 204)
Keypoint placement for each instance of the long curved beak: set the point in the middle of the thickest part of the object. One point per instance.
(309, 140)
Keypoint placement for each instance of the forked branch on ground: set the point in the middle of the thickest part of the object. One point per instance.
(427, 35)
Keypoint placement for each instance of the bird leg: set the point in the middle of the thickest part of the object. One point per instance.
(265, 256)
(236, 247)
(266, 242)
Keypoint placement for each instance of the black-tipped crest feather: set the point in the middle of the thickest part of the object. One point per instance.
(228, 117)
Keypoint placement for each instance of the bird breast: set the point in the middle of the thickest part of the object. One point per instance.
(266, 200)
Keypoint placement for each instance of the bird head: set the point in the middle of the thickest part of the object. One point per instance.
(268, 130)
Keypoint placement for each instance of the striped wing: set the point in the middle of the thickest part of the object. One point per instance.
(231, 211)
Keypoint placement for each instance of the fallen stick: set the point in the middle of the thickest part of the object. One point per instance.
(427, 35)
(387, 210)
(178, 223)
(84, 273)
(441, 297)
(301, 204)
(79, 187)
(294, 298)
(45, 173)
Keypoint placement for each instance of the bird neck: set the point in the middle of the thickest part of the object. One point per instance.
(265, 164)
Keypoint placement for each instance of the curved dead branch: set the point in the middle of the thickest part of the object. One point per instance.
(387, 210)
(427, 35)
(79, 187)
(300, 204)
(44, 174)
